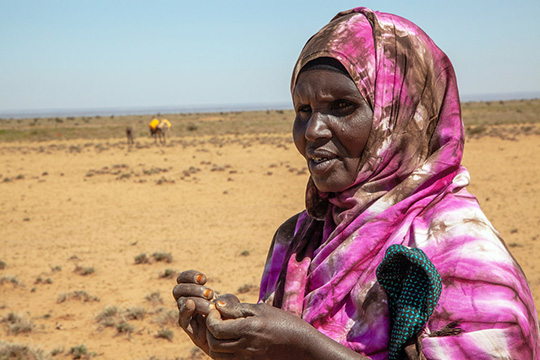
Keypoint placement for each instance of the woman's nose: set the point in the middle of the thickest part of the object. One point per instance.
(317, 127)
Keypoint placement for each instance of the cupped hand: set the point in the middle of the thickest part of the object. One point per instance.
(254, 331)
(194, 301)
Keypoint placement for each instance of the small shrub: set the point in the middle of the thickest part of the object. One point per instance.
(246, 288)
(123, 327)
(168, 273)
(9, 279)
(57, 351)
(162, 256)
(135, 313)
(108, 317)
(56, 268)
(142, 259)
(2, 265)
(165, 333)
(14, 351)
(17, 324)
(165, 317)
(477, 130)
(80, 352)
(84, 270)
(76, 295)
(154, 298)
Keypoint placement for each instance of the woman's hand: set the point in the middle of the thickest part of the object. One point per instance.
(194, 301)
(260, 331)
(254, 331)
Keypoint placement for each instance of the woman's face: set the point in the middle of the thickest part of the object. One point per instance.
(331, 127)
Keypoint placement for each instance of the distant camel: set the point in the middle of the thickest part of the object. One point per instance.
(129, 134)
(159, 130)
(164, 126)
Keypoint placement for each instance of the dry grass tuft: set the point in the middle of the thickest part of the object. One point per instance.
(15, 351)
(162, 256)
(165, 333)
(81, 295)
(9, 279)
(17, 324)
(84, 271)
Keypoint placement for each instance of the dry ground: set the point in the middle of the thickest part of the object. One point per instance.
(77, 215)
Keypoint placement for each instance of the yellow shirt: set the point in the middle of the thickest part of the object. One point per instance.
(154, 123)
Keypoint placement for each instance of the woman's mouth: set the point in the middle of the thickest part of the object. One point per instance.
(321, 166)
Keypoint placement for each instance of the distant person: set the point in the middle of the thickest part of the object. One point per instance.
(129, 135)
(392, 257)
(154, 129)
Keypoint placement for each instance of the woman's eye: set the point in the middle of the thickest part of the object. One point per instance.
(342, 104)
(304, 109)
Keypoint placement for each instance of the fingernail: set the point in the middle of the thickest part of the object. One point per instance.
(207, 293)
(211, 306)
(199, 278)
(221, 303)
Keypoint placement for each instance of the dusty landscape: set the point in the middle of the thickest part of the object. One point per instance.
(92, 232)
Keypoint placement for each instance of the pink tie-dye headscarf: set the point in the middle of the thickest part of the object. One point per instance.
(410, 190)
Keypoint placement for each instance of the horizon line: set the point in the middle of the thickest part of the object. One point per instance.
(185, 109)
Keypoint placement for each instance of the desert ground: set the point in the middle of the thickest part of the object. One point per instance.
(93, 232)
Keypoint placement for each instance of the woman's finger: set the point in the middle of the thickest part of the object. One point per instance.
(187, 309)
(223, 329)
(231, 310)
(192, 290)
(191, 276)
(228, 298)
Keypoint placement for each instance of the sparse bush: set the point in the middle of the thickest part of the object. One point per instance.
(165, 333)
(57, 351)
(74, 149)
(142, 259)
(154, 298)
(135, 313)
(108, 317)
(162, 256)
(17, 324)
(80, 352)
(84, 270)
(168, 273)
(246, 288)
(164, 317)
(2, 265)
(9, 279)
(76, 295)
(123, 327)
(14, 351)
(477, 130)
(56, 268)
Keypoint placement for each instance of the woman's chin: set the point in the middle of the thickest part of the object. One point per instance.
(331, 185)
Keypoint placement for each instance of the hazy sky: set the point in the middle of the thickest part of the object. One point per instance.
(88, 54)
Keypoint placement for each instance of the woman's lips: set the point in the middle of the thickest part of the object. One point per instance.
(319, 166)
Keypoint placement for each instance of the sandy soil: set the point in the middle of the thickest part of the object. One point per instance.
(213, 204)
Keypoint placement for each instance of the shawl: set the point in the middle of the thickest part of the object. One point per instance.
(410, 190)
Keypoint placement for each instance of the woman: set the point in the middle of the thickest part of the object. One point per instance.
(392, 257)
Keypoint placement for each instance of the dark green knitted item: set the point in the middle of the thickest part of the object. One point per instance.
(413, 287)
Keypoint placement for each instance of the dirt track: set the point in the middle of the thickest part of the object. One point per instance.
(211, 203)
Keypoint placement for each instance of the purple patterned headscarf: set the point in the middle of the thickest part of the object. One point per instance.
(410, 190)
